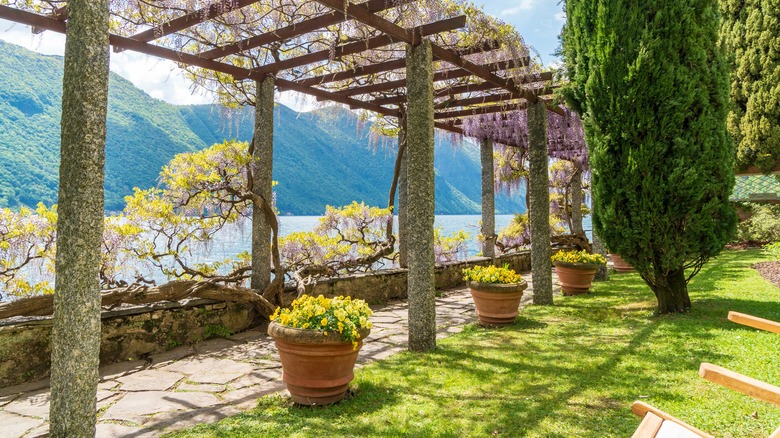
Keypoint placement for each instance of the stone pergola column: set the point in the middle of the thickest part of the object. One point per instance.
(421, 282)
(488, 199)
(403, 199)
(539, 207)
(576, 202)
(75, 338)
(263, 156)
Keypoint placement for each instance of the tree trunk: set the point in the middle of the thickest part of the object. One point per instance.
(488, 200)
(576, 203)
(539, 211)
(403, 201)
(75, 338)
(422, 300)
(262, 185)
(671, 290)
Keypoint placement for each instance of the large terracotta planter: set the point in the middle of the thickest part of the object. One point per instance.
(497, 304)
(316, 368)
(575, 278)
(620, 264)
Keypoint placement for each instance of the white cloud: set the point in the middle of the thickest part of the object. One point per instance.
(521, 6)
(159, 78)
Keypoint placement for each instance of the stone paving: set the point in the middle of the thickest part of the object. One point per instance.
(208, 381)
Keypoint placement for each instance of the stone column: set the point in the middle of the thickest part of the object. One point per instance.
(263, 176)
(576, 203)
(403, 201)
(75, 339)
(420, 177)
(539, 209)
(488, 199)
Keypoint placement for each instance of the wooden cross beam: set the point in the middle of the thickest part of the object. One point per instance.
(297, 29)
(360, 46)
(405, 35)
(437, 77)
(395, 64)
(191, 19)
(481, 110)
(491, 98)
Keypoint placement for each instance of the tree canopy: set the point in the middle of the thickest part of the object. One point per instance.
(750, 31)
(652, 86)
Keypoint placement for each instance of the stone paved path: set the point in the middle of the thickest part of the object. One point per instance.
(210, 380)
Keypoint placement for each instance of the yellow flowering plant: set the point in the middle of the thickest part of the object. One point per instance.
(578, 257)
(342, 315)
(492, 274)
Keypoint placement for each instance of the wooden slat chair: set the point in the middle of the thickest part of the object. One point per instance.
(656, 423)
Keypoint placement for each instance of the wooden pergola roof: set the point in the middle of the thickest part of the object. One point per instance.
(464, 86)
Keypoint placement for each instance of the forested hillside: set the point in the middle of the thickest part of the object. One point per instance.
(320, 157)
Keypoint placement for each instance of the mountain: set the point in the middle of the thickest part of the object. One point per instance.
(323, 157)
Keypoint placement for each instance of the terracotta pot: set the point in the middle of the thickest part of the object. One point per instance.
(620, 264)
(497, 304)
(316, 368)
(575, 278)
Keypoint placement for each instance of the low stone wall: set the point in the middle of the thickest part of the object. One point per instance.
(127, 334)
(135, 332)
(390, 284)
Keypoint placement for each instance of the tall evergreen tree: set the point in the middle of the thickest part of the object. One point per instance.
(750, 32)
(75, 336)
(652, 86)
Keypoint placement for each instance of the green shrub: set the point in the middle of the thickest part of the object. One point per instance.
(762, 226)
(773, 249)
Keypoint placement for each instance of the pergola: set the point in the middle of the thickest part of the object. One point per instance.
(422, 71)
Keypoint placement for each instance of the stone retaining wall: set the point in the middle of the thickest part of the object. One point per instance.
(134, 332)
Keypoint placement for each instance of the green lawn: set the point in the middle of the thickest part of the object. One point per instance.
(569, 370)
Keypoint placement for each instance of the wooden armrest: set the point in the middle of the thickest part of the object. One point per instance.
(775, 434)
(755, 322)
(738, 382)
(641, 409)
(649, 426)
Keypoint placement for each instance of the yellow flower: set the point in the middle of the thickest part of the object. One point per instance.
(324, 322)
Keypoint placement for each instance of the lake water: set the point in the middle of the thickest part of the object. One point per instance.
(234, 240)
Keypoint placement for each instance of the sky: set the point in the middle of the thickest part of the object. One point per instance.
(539, 21)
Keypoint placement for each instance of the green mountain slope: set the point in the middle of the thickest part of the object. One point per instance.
(320, 158)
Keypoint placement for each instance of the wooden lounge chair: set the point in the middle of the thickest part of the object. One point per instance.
(656, 423)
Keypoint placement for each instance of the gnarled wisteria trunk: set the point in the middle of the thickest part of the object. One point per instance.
(75, 339)
(262, 183)
(420, 143)
(539, 211)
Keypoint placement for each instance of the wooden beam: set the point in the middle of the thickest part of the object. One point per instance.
(741, 383)
(442, 75)
(297, 29)
(360, 46)
(191, 19)
(755, 322)
(754, 170)
(391, 65)
(367, 17)
(491, 98)
(480, 110)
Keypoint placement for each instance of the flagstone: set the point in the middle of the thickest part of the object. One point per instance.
(34, 404)
(149, 380)
(16, 425)
(134, 406)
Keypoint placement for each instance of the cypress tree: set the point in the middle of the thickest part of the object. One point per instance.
(652, 86)
(750, 31)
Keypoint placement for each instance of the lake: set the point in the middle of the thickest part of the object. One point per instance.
(234, 240)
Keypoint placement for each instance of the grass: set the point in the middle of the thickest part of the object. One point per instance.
(568, 370)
